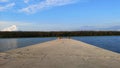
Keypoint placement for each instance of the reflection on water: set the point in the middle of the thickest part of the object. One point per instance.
(22, 42)
(7, 44)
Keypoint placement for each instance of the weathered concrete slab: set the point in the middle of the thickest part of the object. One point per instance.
(60, 53)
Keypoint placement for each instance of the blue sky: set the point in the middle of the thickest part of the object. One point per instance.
(52, 15)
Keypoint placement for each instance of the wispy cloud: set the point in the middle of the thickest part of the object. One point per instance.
(32, 6)
(7, 6)
(3, 0)
(26, 1)
(8, 23)
(45, 4)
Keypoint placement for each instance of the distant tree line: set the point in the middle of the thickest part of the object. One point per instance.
(57, 34)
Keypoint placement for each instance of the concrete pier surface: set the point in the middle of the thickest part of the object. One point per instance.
(60, 53)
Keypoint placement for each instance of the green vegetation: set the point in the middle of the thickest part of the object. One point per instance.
(57, 34)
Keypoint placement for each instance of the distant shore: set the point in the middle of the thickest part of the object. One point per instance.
(24, 34)
(60, 53)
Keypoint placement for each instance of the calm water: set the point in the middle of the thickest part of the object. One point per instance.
(8, 44)
(107, 42)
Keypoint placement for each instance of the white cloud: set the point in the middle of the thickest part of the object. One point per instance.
(3, 0)
(45, 4)
(2, 8)
(26, 1)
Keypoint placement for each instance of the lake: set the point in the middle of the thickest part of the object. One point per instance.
(111, 43)
(107, 42)
(13, 43)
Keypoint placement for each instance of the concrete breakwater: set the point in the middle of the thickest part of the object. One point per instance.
(60, 53)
